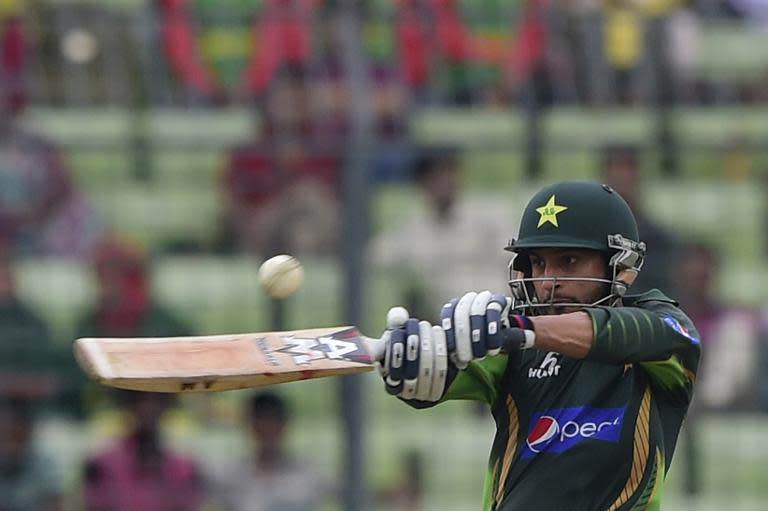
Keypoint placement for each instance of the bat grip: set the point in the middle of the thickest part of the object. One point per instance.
(376, 347)
(513, 339)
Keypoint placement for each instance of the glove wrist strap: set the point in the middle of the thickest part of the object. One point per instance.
(525, 324)
(520, 321)
(530, 340)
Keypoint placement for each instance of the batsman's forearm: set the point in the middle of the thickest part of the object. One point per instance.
(569, 334)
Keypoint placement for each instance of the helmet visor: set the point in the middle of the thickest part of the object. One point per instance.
(526, 300)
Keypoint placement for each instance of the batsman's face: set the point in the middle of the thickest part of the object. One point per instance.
(552, 264)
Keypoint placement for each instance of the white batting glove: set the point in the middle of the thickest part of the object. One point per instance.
(473, 325)
(416, 358)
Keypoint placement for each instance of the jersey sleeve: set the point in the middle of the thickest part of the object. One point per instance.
(479, 381)
(655, 334)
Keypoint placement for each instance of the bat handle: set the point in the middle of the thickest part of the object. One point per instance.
(376, 347)
(513, 339)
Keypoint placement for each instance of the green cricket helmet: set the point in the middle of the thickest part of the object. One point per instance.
(576, 214)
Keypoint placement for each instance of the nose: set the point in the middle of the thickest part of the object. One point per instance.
(548, 286)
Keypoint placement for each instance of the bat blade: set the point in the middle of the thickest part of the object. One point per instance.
(225, 362)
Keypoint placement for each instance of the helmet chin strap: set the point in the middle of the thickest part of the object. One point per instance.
(626, 262)
(623, 280)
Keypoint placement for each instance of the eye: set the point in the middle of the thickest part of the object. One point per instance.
(570, 260)
(537, 262)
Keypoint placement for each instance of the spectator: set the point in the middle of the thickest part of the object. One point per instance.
(634, 41)
(620, 168)
(433, 40)
(39, 205)
(282, 34)
(624, 44)
(528, 67)
(281, 191)
(28, 481)
(387, 95)
(124, 305)
(24, 336)
(40, 209)
(727, 376)
(461, 55)
(270, 479)
(447, 231)
(28, 356)
(392, 147)
(13, 37)
(137, 471)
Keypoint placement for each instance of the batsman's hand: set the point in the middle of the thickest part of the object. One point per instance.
(415, 362)
(473, 326)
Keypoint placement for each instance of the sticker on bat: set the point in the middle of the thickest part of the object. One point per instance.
(308, 349)
(262, 344)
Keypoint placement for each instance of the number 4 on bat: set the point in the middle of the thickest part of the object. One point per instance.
(306, 350)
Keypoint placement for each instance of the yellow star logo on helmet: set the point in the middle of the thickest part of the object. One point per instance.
(549, 212)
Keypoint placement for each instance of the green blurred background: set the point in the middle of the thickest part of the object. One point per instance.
(148, 148)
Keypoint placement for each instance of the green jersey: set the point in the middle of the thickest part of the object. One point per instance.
(591, 434)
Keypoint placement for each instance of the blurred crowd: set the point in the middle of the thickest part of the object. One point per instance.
(283, 192)
(449, 52)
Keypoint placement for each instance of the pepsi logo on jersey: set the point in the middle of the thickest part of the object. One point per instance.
(555, 431)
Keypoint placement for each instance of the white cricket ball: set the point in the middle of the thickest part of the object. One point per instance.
(281, 276)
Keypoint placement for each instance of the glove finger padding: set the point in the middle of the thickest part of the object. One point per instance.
(477, 321)
(446, 321)
(426, 361)
(415, 364)
(411, 361)
(474, 324)
(386, 338)
(440, 371)
(394, 359)
(462, 329)
(496, 317)
(416, 361)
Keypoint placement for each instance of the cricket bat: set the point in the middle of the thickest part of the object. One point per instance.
(226, 362)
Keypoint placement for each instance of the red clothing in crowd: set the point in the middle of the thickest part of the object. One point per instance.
(117, 481)
(254, 177)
